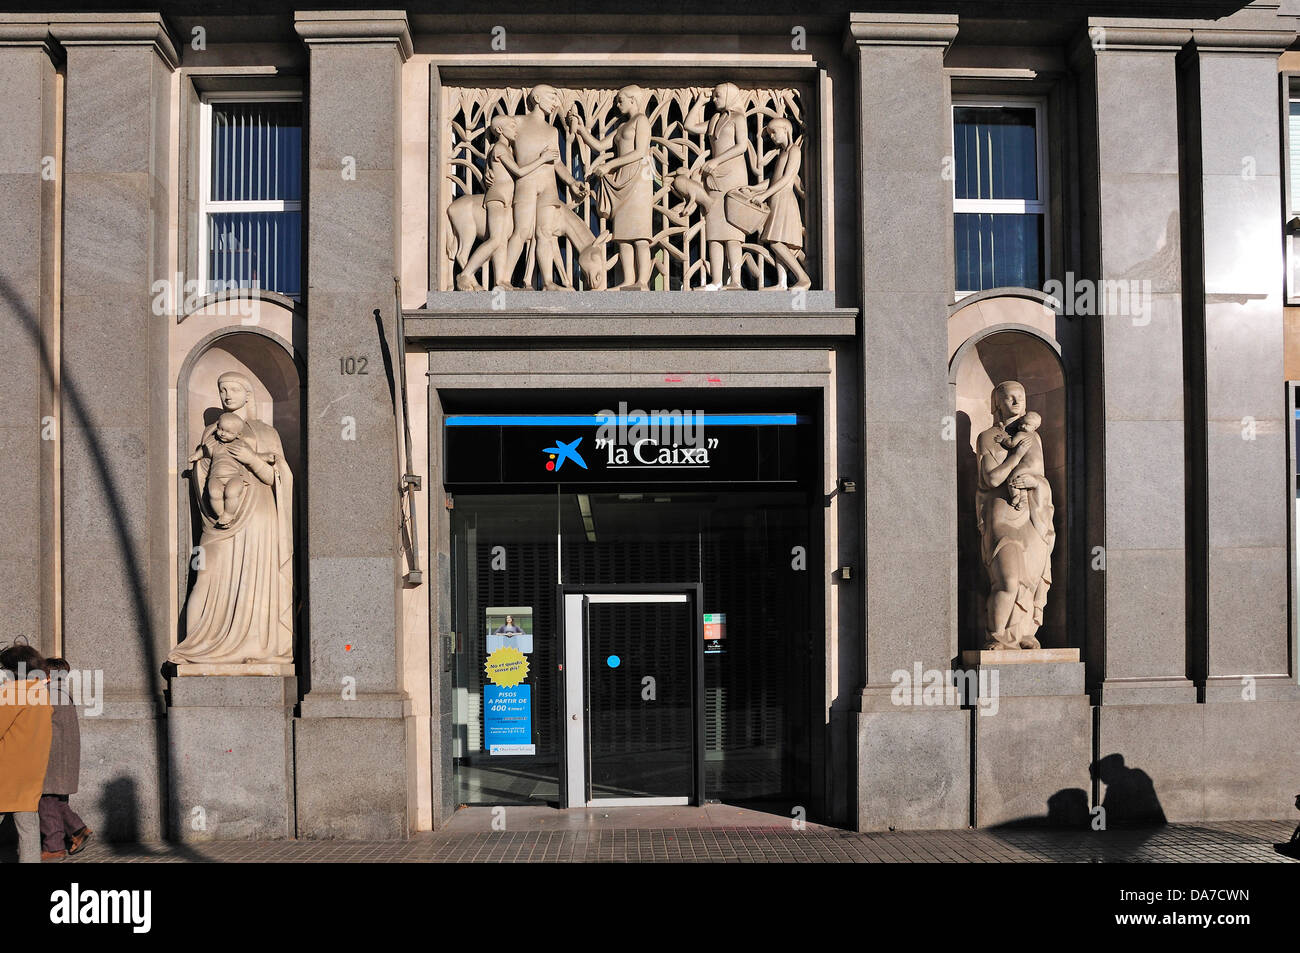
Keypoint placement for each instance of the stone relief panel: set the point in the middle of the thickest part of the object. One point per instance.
(632, 188)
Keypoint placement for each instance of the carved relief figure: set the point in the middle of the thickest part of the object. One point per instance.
(783, 225)
(537, 202)
(227, 476)
(1031, 462)
(498, 201)
(241, 607)
(1014, 511)
(723, 171)
(625, 184)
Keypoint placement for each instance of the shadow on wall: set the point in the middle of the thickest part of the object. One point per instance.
(119, 806)
(1292, 847)
(1129, 801)
(108, 486)
(972, 581)
(118, 803)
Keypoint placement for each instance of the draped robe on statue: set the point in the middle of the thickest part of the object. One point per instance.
(1029, 531)
(241, 607)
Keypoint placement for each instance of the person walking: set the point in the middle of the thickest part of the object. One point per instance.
(25, 733)
(63, 832)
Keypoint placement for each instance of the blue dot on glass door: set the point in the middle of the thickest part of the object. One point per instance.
(613, 661)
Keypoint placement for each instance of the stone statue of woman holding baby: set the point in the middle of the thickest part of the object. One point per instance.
(240, 610)
(1014, 510)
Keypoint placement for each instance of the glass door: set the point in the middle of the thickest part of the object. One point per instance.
(633, 664)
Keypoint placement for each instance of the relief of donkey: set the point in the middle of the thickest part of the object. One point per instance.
(467, 217)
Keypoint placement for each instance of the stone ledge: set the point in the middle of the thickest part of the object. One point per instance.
(1024, 681)
(499, 328)
(899, 29)
(257, 691)
(1232, 688)
(355, 26)
(573, 314)
(366, 705)
(1019, 657)
(1164, 690)
(127, 707)
(629, 303)
(115, 29)
(18, 29)
(187, 669)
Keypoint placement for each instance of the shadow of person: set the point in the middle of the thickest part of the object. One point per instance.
(120, 809)
(1067, 808)
(1130, 799)
(1292, 847)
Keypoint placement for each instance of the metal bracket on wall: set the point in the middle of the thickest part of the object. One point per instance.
(410, 482)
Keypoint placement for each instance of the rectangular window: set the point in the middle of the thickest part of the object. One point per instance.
(251, 197)
(1291, 140)
(999, 194)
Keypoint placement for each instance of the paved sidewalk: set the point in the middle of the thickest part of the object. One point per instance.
(592, 838)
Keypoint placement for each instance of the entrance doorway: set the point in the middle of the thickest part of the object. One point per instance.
(548, 505)
(633, 695)
(733, 554)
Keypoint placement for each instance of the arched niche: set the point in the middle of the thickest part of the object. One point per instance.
(268, 361)
(1027, 354)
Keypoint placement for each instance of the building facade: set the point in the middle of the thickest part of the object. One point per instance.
(623, 411)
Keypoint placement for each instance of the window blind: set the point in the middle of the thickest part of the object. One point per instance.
(256, 152)
(255, 250)
(254, 189)
(1293, 135)
(996, 153)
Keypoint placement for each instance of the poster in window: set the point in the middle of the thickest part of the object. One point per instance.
(510, 627)
(507, 701)
(715, 631)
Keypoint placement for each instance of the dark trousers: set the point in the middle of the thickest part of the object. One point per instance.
(58, 822)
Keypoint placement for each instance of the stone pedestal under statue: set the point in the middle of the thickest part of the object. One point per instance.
(1032, 738)
(230, 746)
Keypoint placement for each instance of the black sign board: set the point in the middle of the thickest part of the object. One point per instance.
(543, 450)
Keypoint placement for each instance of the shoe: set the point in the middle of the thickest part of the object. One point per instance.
(53, 855)
(79, 840)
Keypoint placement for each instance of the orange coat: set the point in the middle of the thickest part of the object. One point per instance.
(25, 732)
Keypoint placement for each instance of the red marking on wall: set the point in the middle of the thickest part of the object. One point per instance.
(673, 379)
